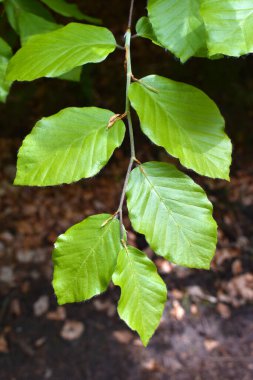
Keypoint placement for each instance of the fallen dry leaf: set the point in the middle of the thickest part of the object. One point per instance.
(41, 306)
(3, 345)
(177, 311)
(72, 330)
(57, 315)
(223, 310)
(237, 267)
(211, 344)
(106, 306)
(123, 336)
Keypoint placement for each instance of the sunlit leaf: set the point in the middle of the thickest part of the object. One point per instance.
(55, 53)
(143, 292)
(229, 26)
(178, 26)
(145, 29)
(185, 121)
(84, 259)
(63, 148)
(173, 213)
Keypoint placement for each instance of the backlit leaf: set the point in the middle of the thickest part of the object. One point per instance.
(178, 26)
(145, 29)
(229, 26)
(173, 213)
(55, 53)
(143, 292)
(85, 258)
(63, 148)
(185, 121)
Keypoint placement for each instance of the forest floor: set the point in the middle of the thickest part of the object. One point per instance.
(207, 328)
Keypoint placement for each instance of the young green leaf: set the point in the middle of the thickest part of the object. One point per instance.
(173, 213)
(63, 148)
(178, 26)
(85, 258)
(144, 29)
(69, 10)
(143, 292)
(55, 53)
(229, 26)
(185, 121)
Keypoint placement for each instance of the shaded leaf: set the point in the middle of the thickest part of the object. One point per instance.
(29, 17)
(5, 55)
(69, 10)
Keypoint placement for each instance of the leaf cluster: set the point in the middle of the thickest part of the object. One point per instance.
(164, 204)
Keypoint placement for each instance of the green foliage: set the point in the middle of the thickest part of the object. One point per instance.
(145, 29)
(85, 258)
(63, 148)
(143, 292)
(164, 204)
(69, 10)
(80, 44)
(185, 122)
(173, 213)
(207, 27)
(28, 17)
(32, 17)
(229, 26)
(178, 26)
(5, 55)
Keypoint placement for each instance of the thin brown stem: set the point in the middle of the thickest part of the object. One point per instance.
(131, 14)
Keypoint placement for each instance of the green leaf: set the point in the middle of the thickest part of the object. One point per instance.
(143, 292)
(69, 10)
(184, 121)
(15, 8)
(58, 52)
(178, 26)
(31, 24)
(29, 17)
(144, 29)
(74, 75)
(203, 27)
(85, 258)
(229, 26)
(173, 213)
(5, 54)
(63, 148)
(5, 49)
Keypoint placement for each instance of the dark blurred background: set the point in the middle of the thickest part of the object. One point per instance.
(207, 328)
